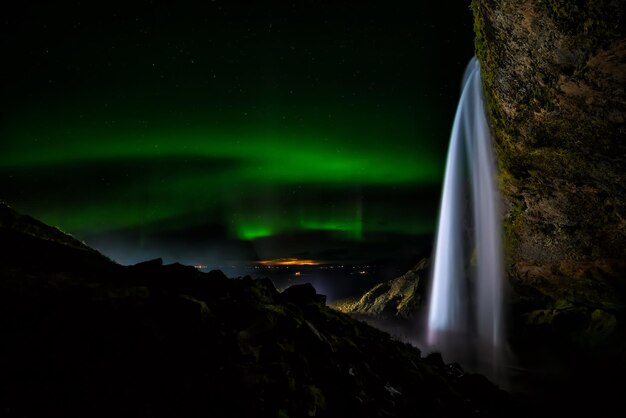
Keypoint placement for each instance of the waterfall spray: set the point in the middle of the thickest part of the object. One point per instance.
(465, 318)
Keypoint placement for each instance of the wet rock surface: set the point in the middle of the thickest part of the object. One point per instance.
(554, 73)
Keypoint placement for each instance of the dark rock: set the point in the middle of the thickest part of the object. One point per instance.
(24, 224)
(302, 294)
(455, 369)
(166, 341)
(149, 264)
(27, 243)
(436, 360)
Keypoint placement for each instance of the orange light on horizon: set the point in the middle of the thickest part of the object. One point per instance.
(288, 262)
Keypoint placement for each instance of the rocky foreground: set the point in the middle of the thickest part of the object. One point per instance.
(84, 336)
(565, 361)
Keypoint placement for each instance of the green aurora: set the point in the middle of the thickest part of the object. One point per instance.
(320, 123)
(252, 162)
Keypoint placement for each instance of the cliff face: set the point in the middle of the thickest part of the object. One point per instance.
(554, 73)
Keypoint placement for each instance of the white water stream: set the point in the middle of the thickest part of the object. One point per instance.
(465, 311)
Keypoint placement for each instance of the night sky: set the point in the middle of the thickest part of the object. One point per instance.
(229, 130)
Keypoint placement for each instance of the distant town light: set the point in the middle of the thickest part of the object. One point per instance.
(288, 262)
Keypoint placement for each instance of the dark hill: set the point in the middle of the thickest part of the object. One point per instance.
(83, 336)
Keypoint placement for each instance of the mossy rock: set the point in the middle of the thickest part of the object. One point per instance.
(553, 74)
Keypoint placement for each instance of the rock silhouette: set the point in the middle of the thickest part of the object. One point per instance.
(84, 336)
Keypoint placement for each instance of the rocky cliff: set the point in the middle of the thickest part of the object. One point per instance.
(554, 74)
(399, 298)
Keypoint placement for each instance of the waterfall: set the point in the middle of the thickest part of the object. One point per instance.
(465, 311)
